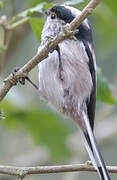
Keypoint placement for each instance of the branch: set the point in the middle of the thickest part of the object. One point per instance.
(43, 52)
(23, 171)
(18, 23)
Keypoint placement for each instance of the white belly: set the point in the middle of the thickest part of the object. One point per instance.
(77, 83)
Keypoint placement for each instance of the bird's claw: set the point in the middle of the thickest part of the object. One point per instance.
(70, 33)
(20, 80)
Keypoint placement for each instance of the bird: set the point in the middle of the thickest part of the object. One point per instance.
(67, 77)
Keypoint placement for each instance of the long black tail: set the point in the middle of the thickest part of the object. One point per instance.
(93, 151)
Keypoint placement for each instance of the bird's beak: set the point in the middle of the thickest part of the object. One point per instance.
(47, 12)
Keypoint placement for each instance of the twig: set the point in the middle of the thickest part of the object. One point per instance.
(43, 52)
(18, 23)
(23, 171)
(85, 12)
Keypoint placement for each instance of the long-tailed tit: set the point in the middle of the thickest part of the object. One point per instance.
(67, 77)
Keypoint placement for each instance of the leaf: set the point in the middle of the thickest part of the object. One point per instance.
(106, 32)
(33, 3)
(32, 11)
(39, 9)
(1, 5)
(104, 90)
(44, 126)
(73, 2)
(48, 5)
(37, 25)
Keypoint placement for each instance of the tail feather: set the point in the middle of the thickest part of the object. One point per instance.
(94, 152)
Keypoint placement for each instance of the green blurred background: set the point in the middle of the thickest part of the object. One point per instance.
(32, 133)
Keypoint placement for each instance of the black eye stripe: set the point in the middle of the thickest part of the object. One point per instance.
(63, 13)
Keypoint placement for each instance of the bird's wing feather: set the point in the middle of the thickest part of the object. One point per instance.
(85, 35)
(92, 67)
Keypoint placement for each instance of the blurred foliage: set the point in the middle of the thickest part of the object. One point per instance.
(44, 126)
(1, 4)
(104, 89)
(112, 5)
(33, 3)
(73, 2)
(104, 15)
(37, 25)
(36, 10)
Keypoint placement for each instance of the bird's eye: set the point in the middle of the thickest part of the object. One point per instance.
(53, 16)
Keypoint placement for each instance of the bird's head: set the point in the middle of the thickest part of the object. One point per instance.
(61, 13)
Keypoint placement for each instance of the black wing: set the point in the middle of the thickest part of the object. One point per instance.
(92, 102)
(85, 35)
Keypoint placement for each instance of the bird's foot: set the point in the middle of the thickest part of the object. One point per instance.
(70, 33)
(20, 80)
